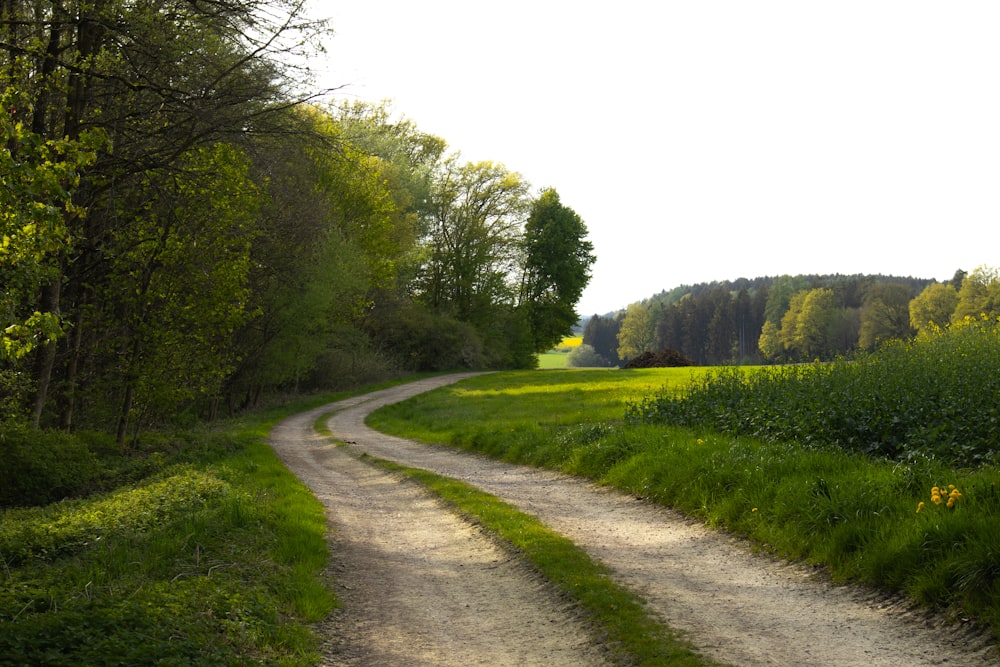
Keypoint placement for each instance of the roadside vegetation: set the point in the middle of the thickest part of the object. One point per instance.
(907, 509)
(197, 547)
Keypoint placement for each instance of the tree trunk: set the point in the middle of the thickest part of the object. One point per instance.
(46, 359)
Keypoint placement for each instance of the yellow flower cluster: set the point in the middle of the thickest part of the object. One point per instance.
(940, 495)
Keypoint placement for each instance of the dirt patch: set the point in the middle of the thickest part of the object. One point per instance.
(735, 606)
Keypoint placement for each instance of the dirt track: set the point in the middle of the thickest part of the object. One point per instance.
(420, 587)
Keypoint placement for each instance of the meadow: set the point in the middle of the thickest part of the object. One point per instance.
(904, 508)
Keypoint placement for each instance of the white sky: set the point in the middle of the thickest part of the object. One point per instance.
(710, 140)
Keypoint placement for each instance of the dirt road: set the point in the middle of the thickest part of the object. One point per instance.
(421, 587)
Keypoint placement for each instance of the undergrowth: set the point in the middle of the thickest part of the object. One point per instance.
(195, 548)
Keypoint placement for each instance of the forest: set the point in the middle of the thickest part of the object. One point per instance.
(786, 318)
(190, 227)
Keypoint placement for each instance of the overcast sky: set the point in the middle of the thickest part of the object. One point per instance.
(711, 140)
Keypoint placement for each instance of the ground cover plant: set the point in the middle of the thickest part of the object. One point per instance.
(880, 521)
(196, 547)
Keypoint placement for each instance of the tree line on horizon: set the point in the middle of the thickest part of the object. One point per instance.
(784, 319)
(185, 227)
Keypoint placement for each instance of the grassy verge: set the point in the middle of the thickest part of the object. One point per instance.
(854, 514)
(196, 548)
(631, 634)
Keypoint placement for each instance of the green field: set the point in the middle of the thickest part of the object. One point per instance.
(865, 518)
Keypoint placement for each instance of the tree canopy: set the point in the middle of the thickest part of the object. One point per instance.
(184, 228)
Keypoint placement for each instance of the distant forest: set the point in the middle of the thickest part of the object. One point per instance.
(786, 318)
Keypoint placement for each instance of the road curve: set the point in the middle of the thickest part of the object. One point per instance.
(419, 586)
(735, 606)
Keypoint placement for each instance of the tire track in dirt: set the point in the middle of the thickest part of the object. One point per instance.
(419, 586)
(735, 606)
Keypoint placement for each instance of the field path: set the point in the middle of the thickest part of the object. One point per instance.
(737, 607)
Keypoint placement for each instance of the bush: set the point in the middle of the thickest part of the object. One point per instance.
(585, 356)
(40, 467)
(665, 358)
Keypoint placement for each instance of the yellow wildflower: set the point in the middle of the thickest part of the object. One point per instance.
(920, 506)
(936, 499)
(951, 502)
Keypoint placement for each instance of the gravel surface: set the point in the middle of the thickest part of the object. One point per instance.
(421, 587)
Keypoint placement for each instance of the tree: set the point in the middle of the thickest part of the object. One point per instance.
(601, 333)
(885, 314)
(474, 242)
(813, 324)
(979, 295)
(638, 331)
(770, 342)
(163, 80)
(177, 287)
(37, 179)
(934, 306)
(556, 269)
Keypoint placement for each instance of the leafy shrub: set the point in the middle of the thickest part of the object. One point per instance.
(933, 396)
(39, 467)
(585, 356)
(665, 358)
(52, 531)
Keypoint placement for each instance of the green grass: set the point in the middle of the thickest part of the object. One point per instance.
(550, 360)
(631, 634)
(850, 513)
(197, 548)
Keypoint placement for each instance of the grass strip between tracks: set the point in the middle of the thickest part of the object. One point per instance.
(631, 633)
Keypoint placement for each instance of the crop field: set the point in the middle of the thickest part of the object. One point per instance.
(902, 495)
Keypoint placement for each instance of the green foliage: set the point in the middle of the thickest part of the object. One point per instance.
(41, 467)
(979, 294)
(585, 356)
(425, 341)
(601, 333)
(556, 269)
(37, 181)
(933, 306)
(212, 556)
(637, 333)
(934, 396)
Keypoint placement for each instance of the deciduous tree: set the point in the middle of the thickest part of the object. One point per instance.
(885, 314)
(556, 269)
(934, 306)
